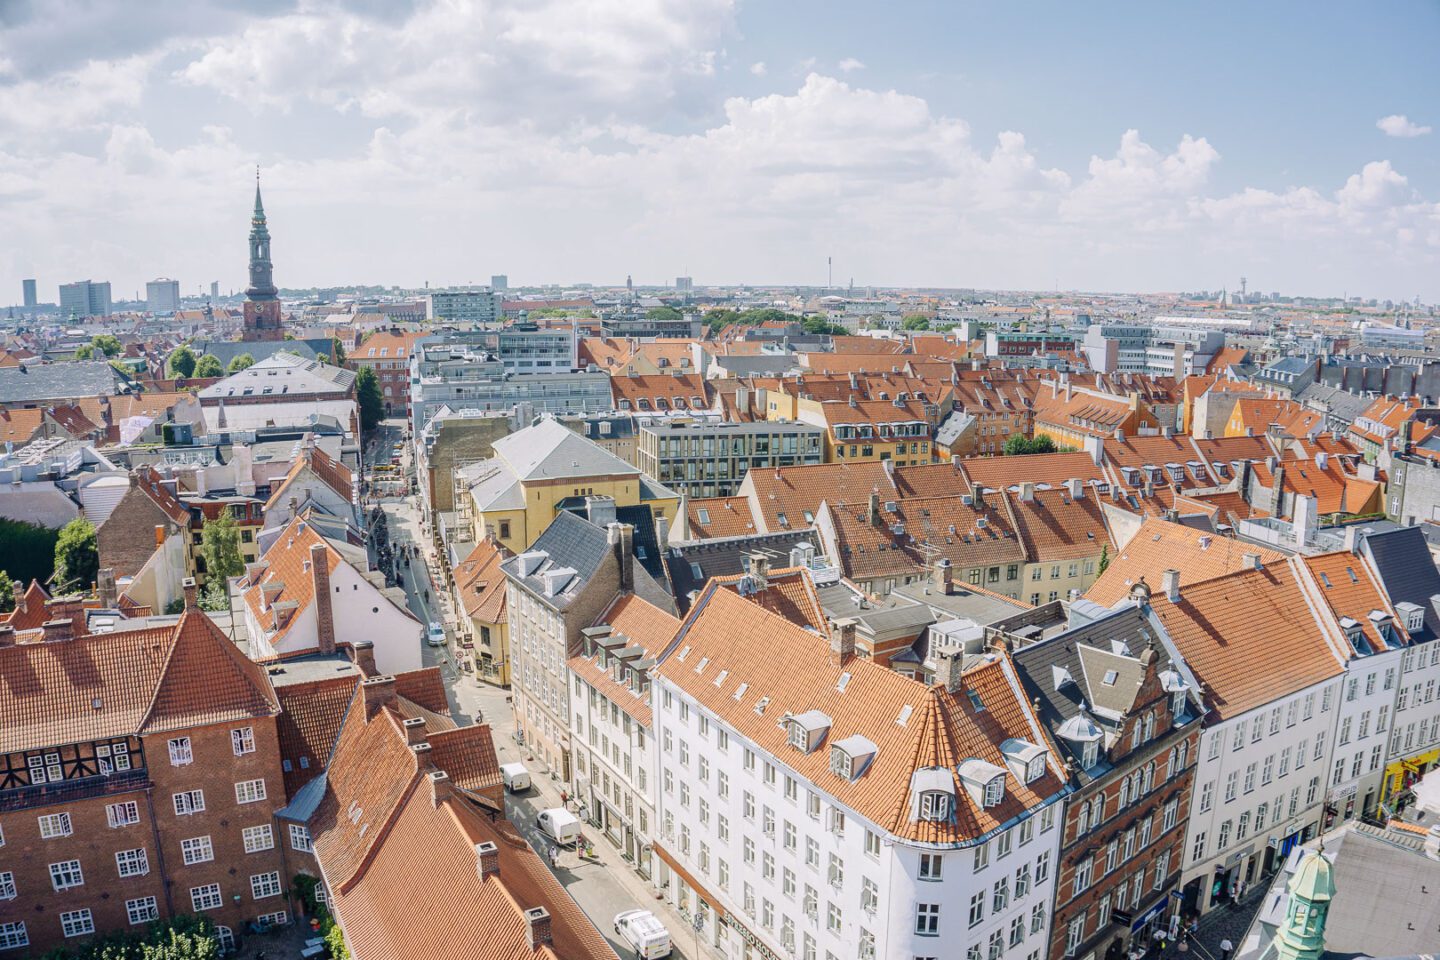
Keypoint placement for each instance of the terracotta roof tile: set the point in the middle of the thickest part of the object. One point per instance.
(791, 492)
(895, 542)
(788, 592)
(206, 679)
(1349, 589)
(467, 754)
(1160, 545)
(425, 687)
(1055, 527)
(713, 517)
(310, 720)
(1000, 473)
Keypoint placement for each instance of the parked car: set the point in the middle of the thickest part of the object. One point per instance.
(559, 825)
(516, 777)
(435, 635)
(645, 934)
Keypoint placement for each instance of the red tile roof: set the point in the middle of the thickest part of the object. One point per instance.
(1055, 527)
(1344, 580)
(317, 463)
(1160, 545)
(723, 517)
(206, 679)
(480, 584)
(310, 720)
(895, 542)
(792, 491)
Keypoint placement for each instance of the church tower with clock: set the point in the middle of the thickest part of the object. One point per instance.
(262, 301)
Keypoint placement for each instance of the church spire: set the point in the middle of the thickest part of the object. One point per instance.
(262, 286)
(1302, 934)
(259, 207)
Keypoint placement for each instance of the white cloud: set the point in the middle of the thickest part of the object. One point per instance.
(1399, 125)
(758, 68)
(850, 64)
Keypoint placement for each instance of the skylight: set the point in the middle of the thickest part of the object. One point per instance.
(844, 682)
(684, 653)
(1110, 677)
(740, 690)
(975, 700)
(904, 717)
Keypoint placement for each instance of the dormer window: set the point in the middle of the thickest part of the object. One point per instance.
(934, 805)
(849, 757)
(1090, 754)
(1035, 769)
(995, 791)
(807, 730)
(984, 781)
(1025, 760)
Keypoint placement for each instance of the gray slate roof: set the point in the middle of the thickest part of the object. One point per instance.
(1407, 571)
(227, 350)
(724, 557)
(1376, 876)
(44, 382)
(550, 450)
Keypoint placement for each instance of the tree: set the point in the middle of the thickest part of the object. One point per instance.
(108, 344)
(367, 394)
(182, 362)
(1104, 556)
(86, 351)
(915, 321)
(27, 550)
(7, 592)
(339, 353)
(664, 313)
(77, 555)
(1017, 444)
(220, 546)
(242, 362)
(821, 326)
(208, 366)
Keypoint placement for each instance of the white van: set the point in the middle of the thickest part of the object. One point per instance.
(516, 777)
(559, 825)
(645, 934)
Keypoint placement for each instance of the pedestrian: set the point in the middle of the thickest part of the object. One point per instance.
(1226, 949)
(554, 857)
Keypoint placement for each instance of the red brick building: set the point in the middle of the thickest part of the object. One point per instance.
(1128, 728)
(387, 352)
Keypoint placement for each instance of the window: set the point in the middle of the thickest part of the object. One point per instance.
(249, 791)
(197, 850)
(141, 911)
(832, 918)
(300, 837)
(1232, 783)
(836, 873)
(935, 805)
(927, 919)
(259, 838)
(66, 874)
(1042, 867)
(54, 825)
(13, 935)
(1198, 851)
(206, 897)
(7, 886)
(1001, 895)
(191, 801)
(1083, 871)
(264, 885)
(977, 908)
(132, 863)
(180, 752)
(242, 741)
(931, 866)
(122, 814)
(77, 923)
(1075, 935)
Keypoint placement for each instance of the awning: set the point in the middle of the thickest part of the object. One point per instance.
(685, 875)
(1149, 915)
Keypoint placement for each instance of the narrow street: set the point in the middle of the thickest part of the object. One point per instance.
(602, 888)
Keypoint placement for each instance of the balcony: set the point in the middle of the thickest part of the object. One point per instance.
(67, 791)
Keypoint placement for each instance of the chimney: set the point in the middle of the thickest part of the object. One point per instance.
(842, 640)
(159, 535)
(1354, 536)
(760, 569)
(622, 541)
(7, 635)
(364, 655)
(662, 530)
(58, 630)
(1322, 460)
(1251, 561)
(952, 671)
(1167, 431)
(324, 601)
(378, 692)
(414, 730)
(872, 514)
(105, 581)
(1027, 491)
(192, 594)
(18, 589)
(944, 577)
(539, 920)
(487, 859)
(439, 786)
(1170, 583)
(1077, 488)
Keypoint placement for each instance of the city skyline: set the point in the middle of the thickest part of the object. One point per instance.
(1106, 153)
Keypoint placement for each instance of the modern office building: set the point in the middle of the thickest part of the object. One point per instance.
(499, 281)
(464, 306)
(643, 326)
(85, 298)
(31, 299)
(527, 348)
(162, 295)
(1173, 350)
(711, 459)
(684, 284)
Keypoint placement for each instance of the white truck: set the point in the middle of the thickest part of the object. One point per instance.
(516, 777)
(645, 934)
(559, 825)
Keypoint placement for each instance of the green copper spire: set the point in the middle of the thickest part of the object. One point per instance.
(1302, 935)
(259, 207)
(262, 287)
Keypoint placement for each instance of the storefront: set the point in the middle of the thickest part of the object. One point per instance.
(1400, 775)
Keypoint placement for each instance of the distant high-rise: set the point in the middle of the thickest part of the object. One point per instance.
(262, 301)
(499, 281)
(84, 298)
(214, 289)
(684, 284)
(162, 295)
(31, 299)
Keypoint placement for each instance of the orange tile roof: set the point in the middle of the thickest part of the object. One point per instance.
(1000, 473)
(285, 564)
(607, 353)
(322, 467)
(1334, 490)
(895, 544)
(641, 621)
(480, 584)
(311, 715)
(425, 687)
(1227, 357)
(795, 671)
(874, 362)
(1160, 545)
(467, 754)
(940, 479)
(874, 412)
(1249, 637)
(396, 346)
(788, 592)
(1257, 413)
(792, 491)
(724, 517)
(20, 426)
(678, 392)
(842, 344)
(34, 614)
(1054, 527)
(1344, 580)
(206, 679)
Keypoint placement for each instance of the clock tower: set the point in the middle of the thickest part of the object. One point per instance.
(262, 302)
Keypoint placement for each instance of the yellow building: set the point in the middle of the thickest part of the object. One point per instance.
(1400, 774)
(484, 626)
(860, 430)
(546, 468)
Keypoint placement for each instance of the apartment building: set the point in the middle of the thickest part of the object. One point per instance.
(711, 459)
(387, 352)
(528, 348)
(463, 306)
(859, 430)
(1128, 727)
(814, 803)
(139, 776)
(613, 730)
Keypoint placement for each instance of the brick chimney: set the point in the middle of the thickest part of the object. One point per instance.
(952, 671)
(379, 692)
(105, 582)
(192, 594)
(760, 569)
(439, 787)
(414, 730)
(58, 631)
(18, 589)
(842, 640)
(539, 920)
(622, 541)
(364, 654)
(324, 602)
(487, 859)
(1170, 583)
(944, 576)
(159, 535)
(7, 635)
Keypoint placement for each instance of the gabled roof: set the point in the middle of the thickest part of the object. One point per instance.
(551, 451)
(206, 679)
(896, 540)
(315, 463)
(480, 583)
(999, 473)
(793, 671)
(1350, 591)
(792, 491)
(712, 517)
(1053, 526)
(34, 615)
(1407, 571)
(1160, 545)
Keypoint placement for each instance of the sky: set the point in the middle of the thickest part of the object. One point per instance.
(1042, 145)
